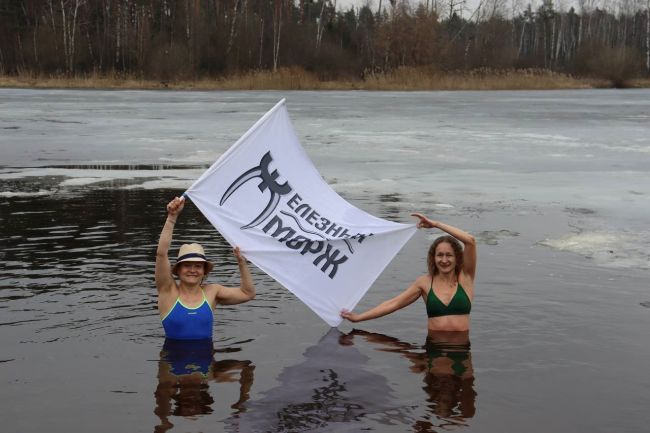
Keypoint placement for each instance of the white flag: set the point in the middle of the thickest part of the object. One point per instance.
(265, 196)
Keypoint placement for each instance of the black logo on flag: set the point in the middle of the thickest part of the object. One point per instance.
(268, 182)
(298, 224)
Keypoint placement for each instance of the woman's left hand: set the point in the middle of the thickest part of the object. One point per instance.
(238, 255)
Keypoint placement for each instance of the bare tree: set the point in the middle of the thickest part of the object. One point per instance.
(515, 6)
(53, 21)
(261, 53)
(647, 36)
(215, 36)
(320, 25)
(277, 30)
(69, 25)
(233, 26)
(491, 9)
(456, 7)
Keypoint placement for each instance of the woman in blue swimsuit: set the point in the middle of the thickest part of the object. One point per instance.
(186, 305)
(447, 289)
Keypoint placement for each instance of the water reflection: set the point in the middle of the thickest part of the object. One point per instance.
(329, 391)
(446, 363)
(84, 248)
(184, 372)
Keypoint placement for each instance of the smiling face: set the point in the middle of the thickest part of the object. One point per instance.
(192, 272)
(445, 258)
(445, 255)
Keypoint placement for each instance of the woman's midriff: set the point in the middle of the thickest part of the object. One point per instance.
(449, 323)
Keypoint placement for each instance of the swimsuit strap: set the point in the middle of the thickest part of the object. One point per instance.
(205, 299)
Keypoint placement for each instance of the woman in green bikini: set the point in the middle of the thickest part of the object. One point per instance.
(447, 289)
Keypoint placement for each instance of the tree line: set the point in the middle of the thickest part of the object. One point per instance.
(188, 39)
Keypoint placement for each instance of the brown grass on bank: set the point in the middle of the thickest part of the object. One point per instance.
(284, 79)
(292, 78)
(296, 78)
(639, 83)
(479, 79)
(89, 81)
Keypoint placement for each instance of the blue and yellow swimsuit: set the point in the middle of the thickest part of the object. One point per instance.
(186, 323)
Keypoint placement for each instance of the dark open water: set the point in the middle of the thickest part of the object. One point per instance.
(554, 185)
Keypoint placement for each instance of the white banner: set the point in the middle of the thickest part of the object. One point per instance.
(265, 196)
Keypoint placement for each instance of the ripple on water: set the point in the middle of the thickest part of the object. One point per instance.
(492, 237)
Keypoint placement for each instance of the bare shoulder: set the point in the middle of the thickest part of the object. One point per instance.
(467, 282)
(167, 296)
(212, 291)
(423, 282)
(167, 288)
(464, 277)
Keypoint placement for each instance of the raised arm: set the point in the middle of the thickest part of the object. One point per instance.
(469, 242)
(245, 291)
(407, 297)
(164, 278)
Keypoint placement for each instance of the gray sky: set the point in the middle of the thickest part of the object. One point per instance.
(344, 4)
(471, 4)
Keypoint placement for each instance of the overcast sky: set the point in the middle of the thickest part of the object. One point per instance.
(471, 4)
(343, 4)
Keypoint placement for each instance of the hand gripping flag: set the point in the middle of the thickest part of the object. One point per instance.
(265, 196)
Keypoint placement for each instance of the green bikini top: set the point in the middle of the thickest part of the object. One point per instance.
(459, 304)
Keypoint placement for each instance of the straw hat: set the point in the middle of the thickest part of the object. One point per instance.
(191, 253)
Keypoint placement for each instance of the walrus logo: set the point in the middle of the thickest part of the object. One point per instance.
(268, 181)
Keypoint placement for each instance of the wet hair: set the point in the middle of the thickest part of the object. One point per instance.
(458, 252)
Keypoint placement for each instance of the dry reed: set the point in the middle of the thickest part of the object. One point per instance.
(478, 79)
(638, 83)
(296, 78)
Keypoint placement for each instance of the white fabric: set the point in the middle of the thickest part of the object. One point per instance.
(265, 196)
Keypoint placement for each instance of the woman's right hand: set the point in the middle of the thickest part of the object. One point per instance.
(349, 315)
(175, 207)
(424, 222)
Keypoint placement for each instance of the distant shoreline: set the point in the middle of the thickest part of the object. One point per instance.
(403, 79)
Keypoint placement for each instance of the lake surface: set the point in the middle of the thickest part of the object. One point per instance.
(554, 185)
